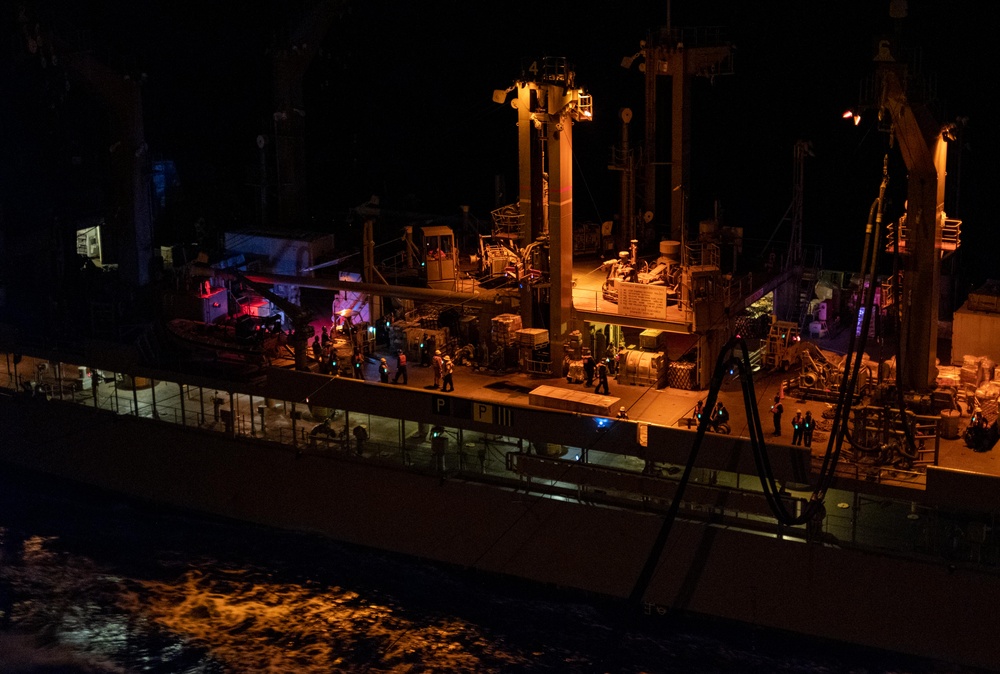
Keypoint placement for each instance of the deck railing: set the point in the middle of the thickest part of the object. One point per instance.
(587, 475)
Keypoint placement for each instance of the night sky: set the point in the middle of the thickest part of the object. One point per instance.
(398, 104)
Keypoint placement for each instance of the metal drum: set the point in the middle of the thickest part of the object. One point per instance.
(671, 250)
(948, 427)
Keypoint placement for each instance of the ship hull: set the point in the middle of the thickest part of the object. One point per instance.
(929, 609)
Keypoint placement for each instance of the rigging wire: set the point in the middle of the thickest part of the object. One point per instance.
(735, 355)
(910, 452)
(586, 185)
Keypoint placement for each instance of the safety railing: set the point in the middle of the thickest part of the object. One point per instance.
(969, 537)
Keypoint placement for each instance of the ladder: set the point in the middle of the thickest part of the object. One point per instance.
(807, 290)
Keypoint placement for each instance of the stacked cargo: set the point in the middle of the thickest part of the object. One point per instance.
(642, 368)
(420, 340)
(504, 329)
(574, 345)
(530, 338)
(533, 349)
(572, 400)
(573, 352)
(986, 298)
(653, 340)
(988, 391)
(949, 375)
(429, 320)
(988, 406)
(976, 378)
(988, 368)
(397, 336)
(971, 373)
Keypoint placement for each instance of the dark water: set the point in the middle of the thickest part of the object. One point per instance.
(92, 583)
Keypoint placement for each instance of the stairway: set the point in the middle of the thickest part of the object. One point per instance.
(807, 291)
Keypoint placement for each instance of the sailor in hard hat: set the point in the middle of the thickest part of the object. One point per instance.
(448, 368)
(436, 364)
(383, 371)
(798, 428)
(622, 414)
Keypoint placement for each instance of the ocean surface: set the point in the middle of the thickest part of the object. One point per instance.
(90, 582)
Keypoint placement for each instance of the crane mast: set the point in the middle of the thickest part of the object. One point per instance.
(924, 150)
(548, 103)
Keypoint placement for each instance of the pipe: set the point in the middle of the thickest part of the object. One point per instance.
(403, 292)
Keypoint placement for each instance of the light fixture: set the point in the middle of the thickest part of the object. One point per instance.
(500, 95)
(850, 114)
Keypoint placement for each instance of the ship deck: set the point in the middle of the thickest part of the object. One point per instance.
(674, 407)
(670, 407)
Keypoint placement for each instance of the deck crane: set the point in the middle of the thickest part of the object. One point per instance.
(922, 144)
(548, 104)
(302, 329)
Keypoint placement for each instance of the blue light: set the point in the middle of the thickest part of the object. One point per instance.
(603, 423)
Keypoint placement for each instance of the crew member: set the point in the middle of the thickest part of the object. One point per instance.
(589, 366)
(358, 361)
(602, 378)
(400, 368)
(720, 415)
(776, 411)
(807, 429)
(436, 364)
(798, 427)
(448, 369)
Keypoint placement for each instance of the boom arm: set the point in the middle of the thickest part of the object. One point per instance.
(302, 329)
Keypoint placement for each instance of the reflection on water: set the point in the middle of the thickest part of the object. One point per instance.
(252, 622)
(90, 584)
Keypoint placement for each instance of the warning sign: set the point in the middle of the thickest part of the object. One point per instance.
(641, 300)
